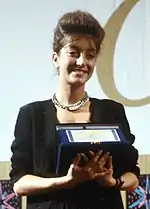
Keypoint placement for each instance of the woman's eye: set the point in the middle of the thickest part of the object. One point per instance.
(73, 53)
(91, 56)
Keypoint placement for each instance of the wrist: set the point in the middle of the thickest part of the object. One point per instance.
(112, 182)
(118, 183)
(108, 183)
(70, 182)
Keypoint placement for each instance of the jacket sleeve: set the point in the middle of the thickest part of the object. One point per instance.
(130, 161)
(21, 160)
(127, 163)
(124, 124)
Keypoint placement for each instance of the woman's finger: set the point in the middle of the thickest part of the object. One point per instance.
(76, 160)
(96, 157)
(84, 156)
(91, 154)
(102, 159)
(109, 163)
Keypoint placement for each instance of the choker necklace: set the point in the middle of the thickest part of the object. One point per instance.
(71, 107)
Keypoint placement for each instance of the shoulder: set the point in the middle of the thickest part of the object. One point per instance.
(35, 111)
(107, 103)
(33, 114)
(36, 106)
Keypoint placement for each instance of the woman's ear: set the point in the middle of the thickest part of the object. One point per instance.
(55, 59)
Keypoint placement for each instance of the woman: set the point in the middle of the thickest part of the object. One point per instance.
(97, 184)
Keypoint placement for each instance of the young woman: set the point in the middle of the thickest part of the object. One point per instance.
(77, 40)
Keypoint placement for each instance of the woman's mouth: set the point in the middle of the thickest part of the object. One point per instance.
(81, 70)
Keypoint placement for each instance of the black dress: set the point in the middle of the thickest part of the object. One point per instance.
(35, 151)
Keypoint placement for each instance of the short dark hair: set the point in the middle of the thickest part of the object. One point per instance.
(77, 22)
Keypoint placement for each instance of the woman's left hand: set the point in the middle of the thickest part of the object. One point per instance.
(103, 168)
(107, 179)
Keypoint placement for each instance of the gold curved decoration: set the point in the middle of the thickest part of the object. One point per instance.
(104, 66)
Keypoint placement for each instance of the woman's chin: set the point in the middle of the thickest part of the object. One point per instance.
(77, 82)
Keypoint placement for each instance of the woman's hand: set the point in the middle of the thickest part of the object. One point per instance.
(96, 168)
(96, 161)
(107, 179)
(77, 174)
(103, 168)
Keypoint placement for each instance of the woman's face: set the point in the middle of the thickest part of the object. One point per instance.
(76, 60)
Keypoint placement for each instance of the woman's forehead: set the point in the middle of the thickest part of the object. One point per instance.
(81, 41)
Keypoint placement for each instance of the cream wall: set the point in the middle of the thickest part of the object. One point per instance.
(122, 72)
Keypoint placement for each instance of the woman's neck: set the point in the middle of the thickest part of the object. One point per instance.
(70, 95)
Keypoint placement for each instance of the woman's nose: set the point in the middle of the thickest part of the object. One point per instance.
(81, 60)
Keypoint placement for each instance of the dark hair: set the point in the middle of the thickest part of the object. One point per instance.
(77, 22)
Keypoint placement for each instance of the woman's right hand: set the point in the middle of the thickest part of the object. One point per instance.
(77, 174)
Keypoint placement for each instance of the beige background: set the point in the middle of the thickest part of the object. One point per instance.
(122, 72)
